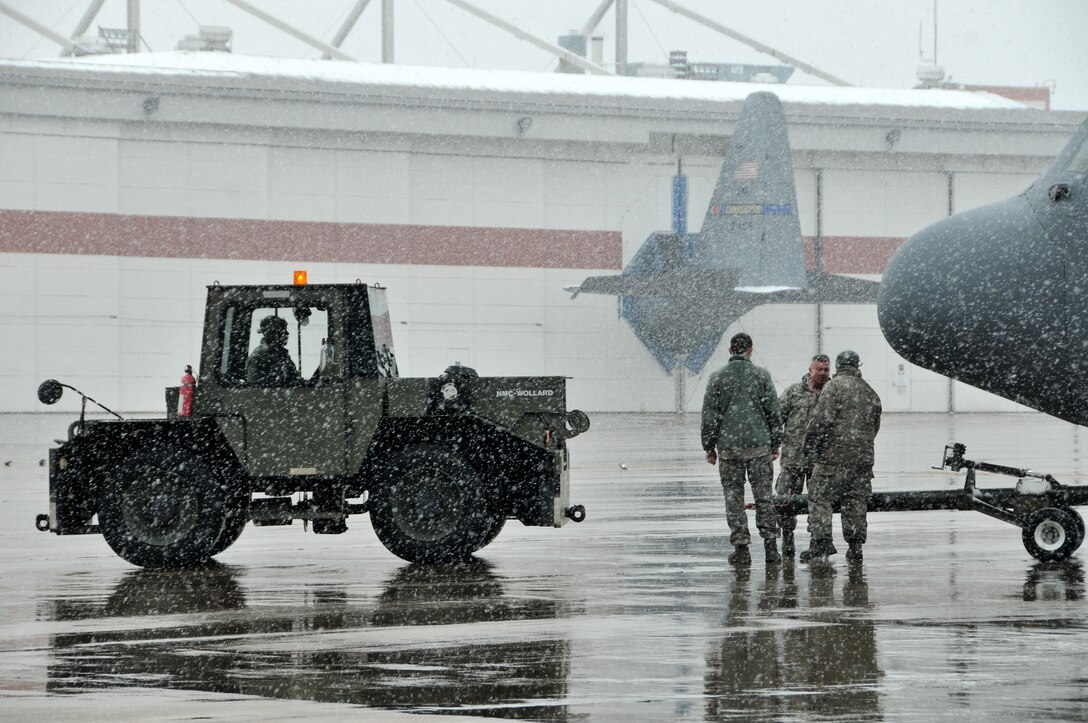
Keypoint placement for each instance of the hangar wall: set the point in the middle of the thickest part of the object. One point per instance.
(123, 327)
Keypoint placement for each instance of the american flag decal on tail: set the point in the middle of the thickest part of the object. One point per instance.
(746, 171)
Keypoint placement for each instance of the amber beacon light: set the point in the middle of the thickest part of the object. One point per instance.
(300, 278)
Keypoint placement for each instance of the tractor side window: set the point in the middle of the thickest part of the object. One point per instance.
(383, 334)
(235, 330)
(370, 334)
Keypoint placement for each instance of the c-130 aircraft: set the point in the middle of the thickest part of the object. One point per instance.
(681, 292)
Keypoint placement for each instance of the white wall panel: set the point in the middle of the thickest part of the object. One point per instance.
(154, 201)
(441, 212)
(970, 399)
(882, 203)
(647, 205)
(229, 203)
(78, 160)
(228, 181)
(502, 213)
(441, 177)
(372, 209)
(153, 164)
(970, 190)
(372, 187)
(301, 207)
(90, 197)
(19, 334)
(17, 194)
(18, 158)
(301, 171)
(805, 185)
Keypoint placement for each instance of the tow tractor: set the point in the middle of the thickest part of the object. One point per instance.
(1038, 504)
(298, 412)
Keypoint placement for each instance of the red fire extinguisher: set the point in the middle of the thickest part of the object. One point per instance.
(188, 387)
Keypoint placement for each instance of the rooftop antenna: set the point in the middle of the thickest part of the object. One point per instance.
(921, 53)
(931, 74)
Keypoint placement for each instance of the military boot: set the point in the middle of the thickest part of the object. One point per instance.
(740, 555)
(788, 548)
(770, 546)
(818, 551)
(854, 553)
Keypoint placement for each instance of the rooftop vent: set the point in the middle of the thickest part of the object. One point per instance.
(215, 38)
(930, 75)
(108, 40)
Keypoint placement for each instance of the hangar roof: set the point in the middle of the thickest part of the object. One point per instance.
(186, 89)
(227, 70)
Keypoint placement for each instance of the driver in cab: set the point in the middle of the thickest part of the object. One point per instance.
(270, 363)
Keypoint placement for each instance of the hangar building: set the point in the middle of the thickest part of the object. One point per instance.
(130, 183)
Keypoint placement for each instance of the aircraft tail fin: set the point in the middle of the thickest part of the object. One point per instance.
(752, 221)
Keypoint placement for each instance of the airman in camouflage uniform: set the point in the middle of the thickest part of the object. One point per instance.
(839, 440)
(797, 403)
(270, 363)
(741, 432)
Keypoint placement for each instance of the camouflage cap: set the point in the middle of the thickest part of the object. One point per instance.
(847, 358)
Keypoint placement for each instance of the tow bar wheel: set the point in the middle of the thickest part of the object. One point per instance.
(1051, 534)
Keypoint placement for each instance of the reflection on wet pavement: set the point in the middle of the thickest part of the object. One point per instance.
(825, 666)
(633, 614)
(219, 645)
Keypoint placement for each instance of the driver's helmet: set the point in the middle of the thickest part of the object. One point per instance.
(273, 326)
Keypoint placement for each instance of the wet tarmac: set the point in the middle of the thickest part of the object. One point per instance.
(632, 614)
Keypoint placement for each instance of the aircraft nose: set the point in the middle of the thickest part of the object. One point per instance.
(978, 297)
(920, 300)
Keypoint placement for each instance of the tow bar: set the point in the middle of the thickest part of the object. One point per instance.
(1038, 504)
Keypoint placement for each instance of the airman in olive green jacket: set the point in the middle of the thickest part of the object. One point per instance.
(741, 432)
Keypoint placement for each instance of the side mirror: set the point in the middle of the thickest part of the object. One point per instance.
(49, 391)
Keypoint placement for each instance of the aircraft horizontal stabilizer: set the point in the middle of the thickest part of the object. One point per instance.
(691, 283)
(836, 289)
(822, 289)
(619, 284)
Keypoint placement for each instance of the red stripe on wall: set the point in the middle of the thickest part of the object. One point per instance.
(103, 234)
(55, 232)
(853, 254)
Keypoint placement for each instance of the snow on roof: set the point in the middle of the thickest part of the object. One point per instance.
(227, 66)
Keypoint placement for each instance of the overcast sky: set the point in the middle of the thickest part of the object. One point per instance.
(873, 44)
